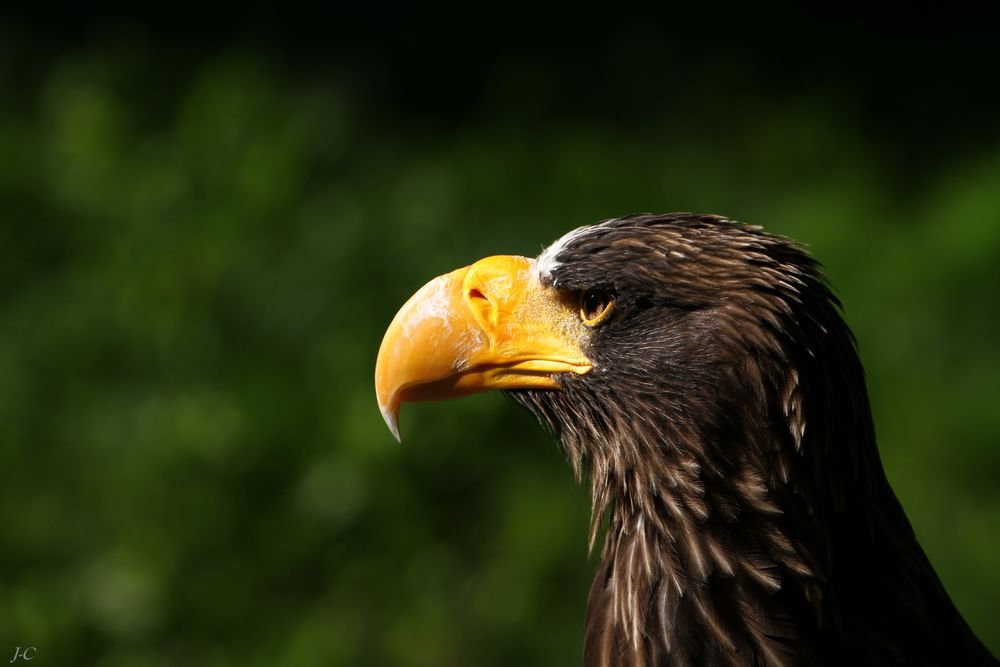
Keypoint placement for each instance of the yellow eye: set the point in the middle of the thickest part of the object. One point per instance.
(594, 306)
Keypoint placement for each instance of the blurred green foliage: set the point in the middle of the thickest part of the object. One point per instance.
(195, 281)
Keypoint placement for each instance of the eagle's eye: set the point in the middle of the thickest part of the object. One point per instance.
(594, 306)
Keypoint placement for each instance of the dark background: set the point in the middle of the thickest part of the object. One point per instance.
(207, 222)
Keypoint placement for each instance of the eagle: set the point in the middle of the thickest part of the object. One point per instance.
(699, 372)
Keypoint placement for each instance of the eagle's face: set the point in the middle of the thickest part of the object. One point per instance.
(651, 327)
(656, 332)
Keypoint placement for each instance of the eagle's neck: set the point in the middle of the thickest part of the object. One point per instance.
(696, 569)
(727, 544)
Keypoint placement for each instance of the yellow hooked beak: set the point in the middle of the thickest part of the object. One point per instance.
(487, 326)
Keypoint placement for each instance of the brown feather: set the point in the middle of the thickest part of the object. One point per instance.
(730, 445)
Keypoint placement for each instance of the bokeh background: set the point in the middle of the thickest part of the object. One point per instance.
(207, 223)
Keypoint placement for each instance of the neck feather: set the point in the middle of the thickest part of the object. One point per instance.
(697, 562)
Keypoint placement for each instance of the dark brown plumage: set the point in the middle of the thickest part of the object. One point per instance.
(731, 452)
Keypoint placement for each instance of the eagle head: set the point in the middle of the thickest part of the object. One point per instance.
(700, 372)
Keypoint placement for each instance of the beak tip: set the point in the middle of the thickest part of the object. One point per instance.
(391, 418)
